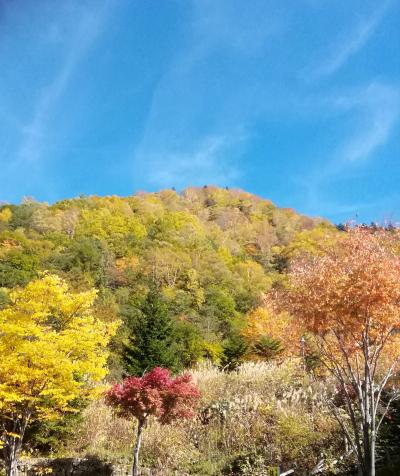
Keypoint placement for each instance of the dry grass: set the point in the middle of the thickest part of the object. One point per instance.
(262, 414)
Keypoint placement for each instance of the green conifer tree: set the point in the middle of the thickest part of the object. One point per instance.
(151, 342)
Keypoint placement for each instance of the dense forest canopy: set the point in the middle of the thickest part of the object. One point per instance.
(209, 252)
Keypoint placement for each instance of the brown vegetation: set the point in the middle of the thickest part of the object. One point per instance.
(262, 414)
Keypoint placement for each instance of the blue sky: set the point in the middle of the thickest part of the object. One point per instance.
(298, 102)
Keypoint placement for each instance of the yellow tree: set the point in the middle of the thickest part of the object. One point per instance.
(5, 215)
(268, 333)
(53, 351)
(348, 298)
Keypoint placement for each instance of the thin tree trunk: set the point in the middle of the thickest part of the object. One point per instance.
(372, 473)
(135, 466)
(13, 444)
(11, 451)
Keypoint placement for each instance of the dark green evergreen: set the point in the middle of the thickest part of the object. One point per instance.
(267, 347)
(151, 340)
(234, 349)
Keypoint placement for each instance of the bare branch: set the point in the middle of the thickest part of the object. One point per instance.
(391, 400)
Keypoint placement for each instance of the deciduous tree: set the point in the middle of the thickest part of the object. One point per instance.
(269, 333)
(349, 300)
(53, 351)
(155, 394)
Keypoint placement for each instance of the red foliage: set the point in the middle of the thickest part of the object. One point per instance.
(157, 394)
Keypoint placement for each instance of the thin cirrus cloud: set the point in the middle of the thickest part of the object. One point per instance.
(375, 111)
(379, 106)
(371, 113)
(203, 164)
(109, 96)
(195, 129)
(178, 147)
(87, 25)
(351, 43)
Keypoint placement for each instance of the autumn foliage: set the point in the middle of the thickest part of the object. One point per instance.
(55, 351)
(278, 331)
(348, 299)
(155, 394)
(353, 287)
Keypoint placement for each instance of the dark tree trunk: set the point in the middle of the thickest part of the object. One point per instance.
(15, 432)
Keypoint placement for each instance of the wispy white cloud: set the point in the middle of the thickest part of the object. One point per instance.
(352, 42)
(379, 108)
(194, 128)
(205, 163)
(374, 111)
(87, 25)
(235, 26)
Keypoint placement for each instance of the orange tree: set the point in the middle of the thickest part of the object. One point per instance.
(348, 299)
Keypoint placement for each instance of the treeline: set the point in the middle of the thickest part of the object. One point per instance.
(182, 271)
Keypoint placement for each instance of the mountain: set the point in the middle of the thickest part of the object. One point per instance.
(210, 252)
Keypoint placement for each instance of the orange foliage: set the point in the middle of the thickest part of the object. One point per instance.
(349, 301)
(352, 289)
(264, 322)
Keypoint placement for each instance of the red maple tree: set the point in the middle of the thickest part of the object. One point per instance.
(155, 394)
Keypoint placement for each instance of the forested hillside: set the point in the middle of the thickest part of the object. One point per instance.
(208, 255)
(258, 303)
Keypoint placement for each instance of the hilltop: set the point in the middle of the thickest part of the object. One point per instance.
(211, 252)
